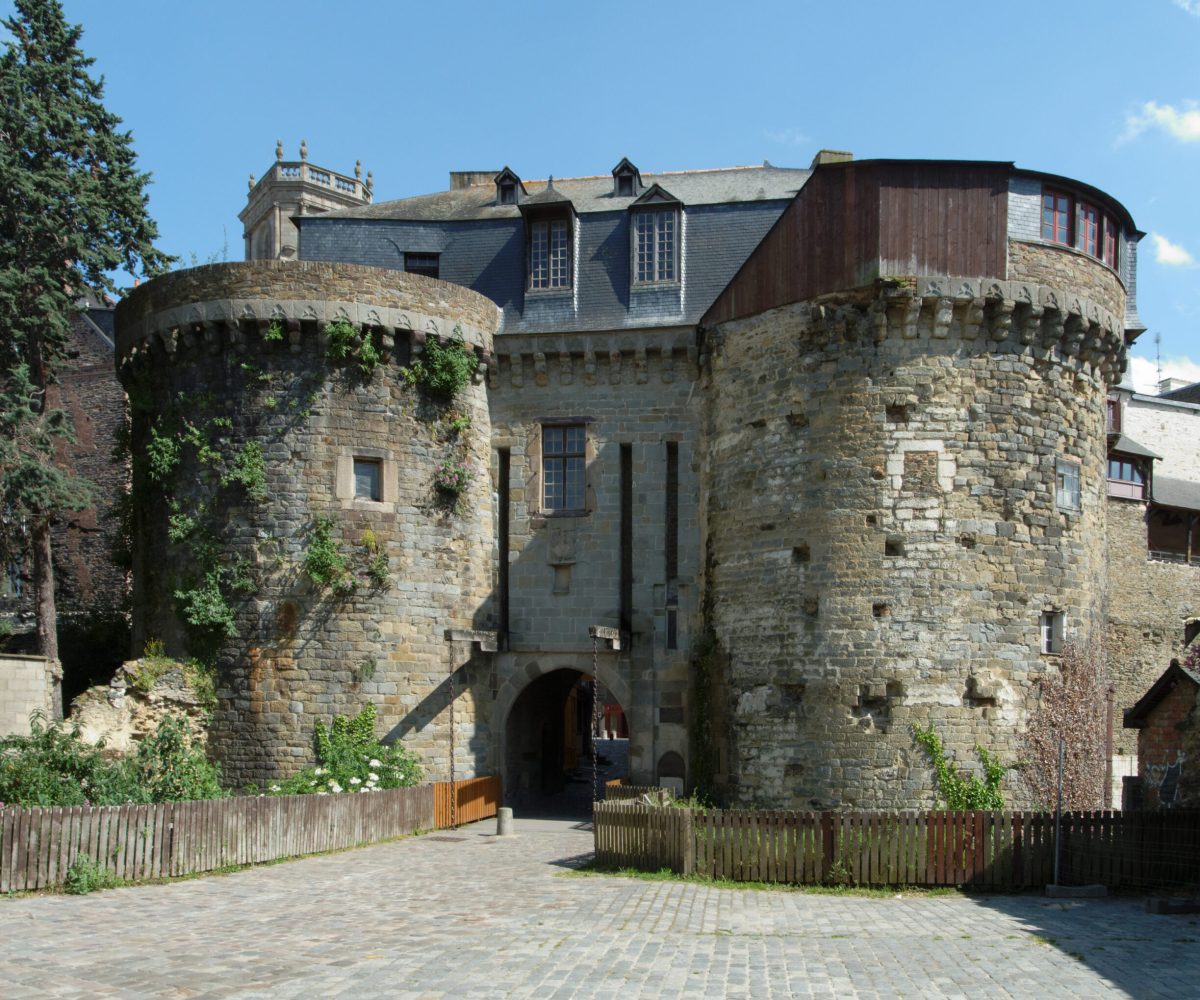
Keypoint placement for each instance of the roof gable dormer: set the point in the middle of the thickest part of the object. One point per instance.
(627, 180)
(656, 196)
(509, 189)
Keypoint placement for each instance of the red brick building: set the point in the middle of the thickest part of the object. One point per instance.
(1168, 744)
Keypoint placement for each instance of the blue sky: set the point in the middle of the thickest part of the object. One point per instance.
(1104, 91)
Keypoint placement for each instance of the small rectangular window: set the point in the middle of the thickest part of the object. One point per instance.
(1066, 484)
(1114, 416)
(368, 480)
(1052, 632)
(1056, 217)
(427, 264)
(564, 460)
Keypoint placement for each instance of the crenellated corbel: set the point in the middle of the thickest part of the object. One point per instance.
(614, 367)
(566, 367)
(943, 316)
(516, 370)
(539, 368)
(667, 363)
(1000, 318)
(589, 366)
(639, 364)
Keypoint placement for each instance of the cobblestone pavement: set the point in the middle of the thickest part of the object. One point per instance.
(469, 915)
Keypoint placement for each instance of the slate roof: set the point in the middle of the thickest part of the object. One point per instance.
(1184, 394)
(592, 194)
(1176, 493)
(481, 245)
(1128, 446)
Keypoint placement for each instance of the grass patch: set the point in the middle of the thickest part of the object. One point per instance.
(592, 869)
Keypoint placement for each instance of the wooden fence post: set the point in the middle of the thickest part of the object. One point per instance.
(827, 858)
(687, 833)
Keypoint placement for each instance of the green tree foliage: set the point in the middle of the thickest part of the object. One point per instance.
(73, 210)
(963, 791)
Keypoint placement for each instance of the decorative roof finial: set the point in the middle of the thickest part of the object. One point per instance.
(279, 149)
(550, 183)
(304, 149)
(370, 180)
(251, 182)
(358, 169)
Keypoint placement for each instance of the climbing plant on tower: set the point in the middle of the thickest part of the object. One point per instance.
(73, 212)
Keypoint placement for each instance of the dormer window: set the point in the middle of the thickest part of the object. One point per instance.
(508, 188)
(550, 254)
(627, 180)
(655, 248)
(656, 245)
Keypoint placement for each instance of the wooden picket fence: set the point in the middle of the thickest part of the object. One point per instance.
(616, 790)
(979, 850)
(474, 798)
(39, 846)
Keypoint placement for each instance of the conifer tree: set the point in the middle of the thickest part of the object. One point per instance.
(72, 211)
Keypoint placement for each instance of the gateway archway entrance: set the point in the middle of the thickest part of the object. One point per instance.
(548, 741)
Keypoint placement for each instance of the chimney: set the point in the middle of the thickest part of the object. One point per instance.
(830, 156)
(462, 179)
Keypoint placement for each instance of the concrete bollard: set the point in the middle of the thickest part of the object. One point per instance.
(504, 822)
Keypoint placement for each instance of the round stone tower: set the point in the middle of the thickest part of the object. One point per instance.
(905, 479)
(309, 516)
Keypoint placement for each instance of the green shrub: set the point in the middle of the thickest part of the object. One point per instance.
(250, 470)
(205, 609)
(53, 766)
(443, 370)
(85, 876)
(351, 759)
(345, 343)
(324, 563)
(958, 791)
(170, 767)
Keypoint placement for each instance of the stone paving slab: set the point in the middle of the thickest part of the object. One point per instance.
(434, 917)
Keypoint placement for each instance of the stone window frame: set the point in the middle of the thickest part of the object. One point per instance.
(538, 457)
(1068, 485)
(344, 479)
(1052, 626)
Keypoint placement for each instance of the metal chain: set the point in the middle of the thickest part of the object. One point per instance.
(595, 724)
(453, 789)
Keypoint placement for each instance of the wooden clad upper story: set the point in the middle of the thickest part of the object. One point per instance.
(854, 222)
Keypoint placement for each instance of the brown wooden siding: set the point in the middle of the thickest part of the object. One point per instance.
(855, 222)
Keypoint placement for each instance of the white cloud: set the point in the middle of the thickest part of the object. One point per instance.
(1183, 122)
(1143, 372)
(1191, 6)
(793, 136)
(1171, 254)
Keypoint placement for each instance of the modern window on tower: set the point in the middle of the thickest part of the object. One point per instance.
(564, 460)
(550, 255)
(656, 246)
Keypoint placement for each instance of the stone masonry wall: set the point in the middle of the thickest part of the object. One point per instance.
(26, 686)
(1062, 267)
(1148, 603)
(199, 360)
(883, 533)
(629, 388)
(1170, 429)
